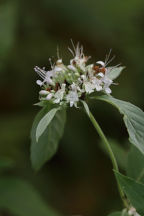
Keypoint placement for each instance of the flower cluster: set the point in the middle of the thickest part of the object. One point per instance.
(70, 83)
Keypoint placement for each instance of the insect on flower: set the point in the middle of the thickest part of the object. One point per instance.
(67, 84)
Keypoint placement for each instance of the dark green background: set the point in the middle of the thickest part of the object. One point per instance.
(78, 180)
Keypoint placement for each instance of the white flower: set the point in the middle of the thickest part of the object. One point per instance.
(39, 82)
(43, 92)
(57, 69)
(107, 90)
(107, 82)
(59, 94)
(71, 67)
(79, 58)
(49, 81)
(90, 70)
(97, 83)
(74, 87)
(89, 87)
(72, 98)
(40, 72)
(68, 83)
(49, 96)
(45, 75)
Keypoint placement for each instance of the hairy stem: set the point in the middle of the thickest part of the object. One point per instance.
(111, 154)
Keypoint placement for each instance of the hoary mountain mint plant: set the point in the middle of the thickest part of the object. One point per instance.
(73, 85)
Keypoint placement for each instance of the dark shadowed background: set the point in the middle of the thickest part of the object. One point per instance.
(79, 178)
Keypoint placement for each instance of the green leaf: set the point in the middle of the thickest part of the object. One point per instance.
(86, 107)
(21, 199)
(133, 119)
(44, 122)
(120, 153)
(123, 213)
(42, 103)
(47, 145)
(135, 166)
(115, 72)
(134, 191)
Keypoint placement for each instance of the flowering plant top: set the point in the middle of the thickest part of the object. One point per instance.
(67, 84)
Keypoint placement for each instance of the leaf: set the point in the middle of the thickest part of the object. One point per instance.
(134, 191)
(135, 166)
(86, 107)
(44, 122)
(119, 152)
(47, 145)
(42, 103)
(133, 119)
(115, 72)
(21, 199)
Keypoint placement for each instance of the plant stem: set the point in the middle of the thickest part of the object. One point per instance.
(111, 154)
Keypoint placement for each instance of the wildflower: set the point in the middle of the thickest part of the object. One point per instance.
(72, 98)
(67, 84)
(79, 58)
(59, 94)
(49, 96)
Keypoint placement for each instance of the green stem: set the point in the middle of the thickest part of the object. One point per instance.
(111, 154)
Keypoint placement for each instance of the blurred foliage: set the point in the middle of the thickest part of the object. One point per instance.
(20, 198)
(135, 166)
(30, 31)
(120, 153)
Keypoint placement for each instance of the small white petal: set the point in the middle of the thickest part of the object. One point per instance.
(43, 92)
(98, 87)
(71, 61)
(50, 73)
(59, 94)
(39, 82)
(73, 87)
(101, 63)
(100, 74)
(49, 81)
(83, 77)
(107, 81)
(108, 90)
(49, 96)
(71, 103)
(89, 87)
(57, 100)
(57, 69)
(72, 97)
(59, 61)
(71, 67)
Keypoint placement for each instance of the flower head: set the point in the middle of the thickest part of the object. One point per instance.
(67, 84)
